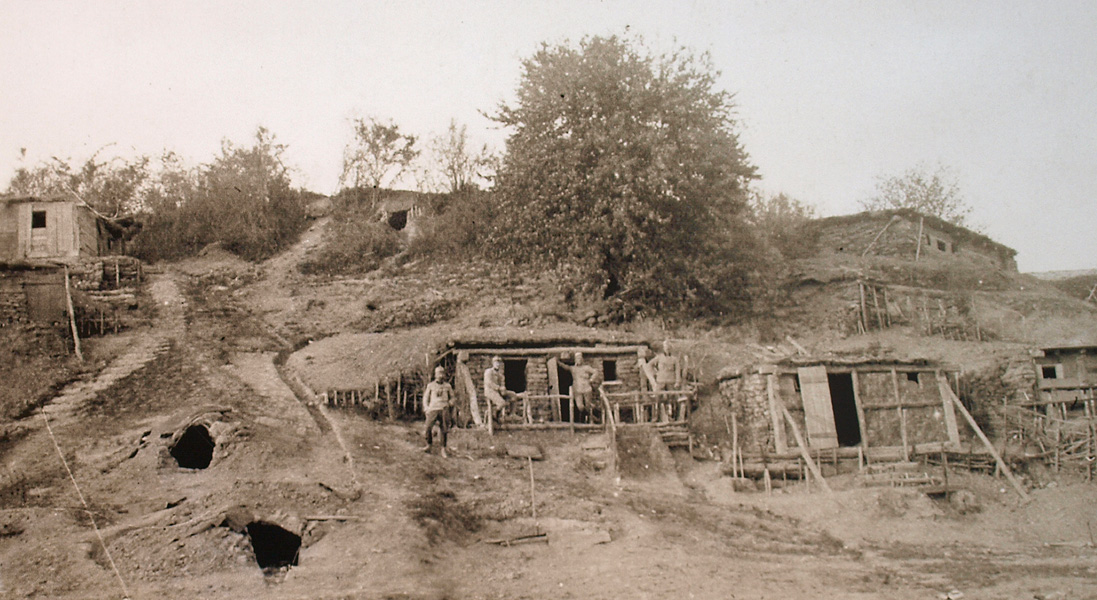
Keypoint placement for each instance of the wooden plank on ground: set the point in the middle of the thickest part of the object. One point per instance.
(818, 411)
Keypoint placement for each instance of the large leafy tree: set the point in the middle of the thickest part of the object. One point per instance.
(932, 191)
(625, 166)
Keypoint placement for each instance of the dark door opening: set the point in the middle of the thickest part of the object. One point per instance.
(846, 424)
(564, 376)
(514, 372)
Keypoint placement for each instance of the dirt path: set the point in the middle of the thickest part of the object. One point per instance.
(168, 328)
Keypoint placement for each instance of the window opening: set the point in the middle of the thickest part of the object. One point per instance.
(38, 219)
(913, 376)
(609, 370)
(1049, 372)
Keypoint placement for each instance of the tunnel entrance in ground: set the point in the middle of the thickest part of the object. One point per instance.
(194, 449)
(398, 219)
(274, 547)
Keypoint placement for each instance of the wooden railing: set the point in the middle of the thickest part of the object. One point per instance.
(649, 407)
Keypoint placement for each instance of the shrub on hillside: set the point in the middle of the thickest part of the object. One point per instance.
(242, 200)
(454, 225)
(782, 222)
(355, 241)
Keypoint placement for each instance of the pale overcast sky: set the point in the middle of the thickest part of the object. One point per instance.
(830, 93)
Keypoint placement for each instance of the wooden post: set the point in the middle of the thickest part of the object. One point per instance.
(388, 401)
(918, 252)
(734, 443)
(860, 408)
(803, 450)
(982, 437)
(887, 308)
(902, 415)
(72, 318)
(950, 414)
(944, 467)
(864, 319)
(876, 305)
(779, 442)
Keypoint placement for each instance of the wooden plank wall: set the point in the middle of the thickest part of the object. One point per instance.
(818, 412)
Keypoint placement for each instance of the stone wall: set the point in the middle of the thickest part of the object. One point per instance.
(106, 273)
(13, 300)
(746, 397)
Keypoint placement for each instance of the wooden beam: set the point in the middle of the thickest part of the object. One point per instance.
(993, 452)
(902, 414)
(72, 318)
(918, 251)
(864, 319)
(860, 408)
(775, 416)
(875, 239)
(803, 450)
(555, 350)
(950, 413)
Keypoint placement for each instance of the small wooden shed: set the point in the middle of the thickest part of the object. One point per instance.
(843, 407)
(57, 228)
(1066, 377)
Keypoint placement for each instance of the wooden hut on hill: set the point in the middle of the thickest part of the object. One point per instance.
(532, 368)
(861, 409)
(55, 229)
(909, 234)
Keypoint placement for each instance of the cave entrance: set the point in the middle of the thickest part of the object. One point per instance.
(194, 449)
(274, 547)
(398, 219)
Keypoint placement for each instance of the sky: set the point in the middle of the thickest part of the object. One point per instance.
(830, 95)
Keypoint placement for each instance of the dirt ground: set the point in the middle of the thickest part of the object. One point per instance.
(378, 518)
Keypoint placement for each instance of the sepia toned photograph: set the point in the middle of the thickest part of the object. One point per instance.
(486, 299)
